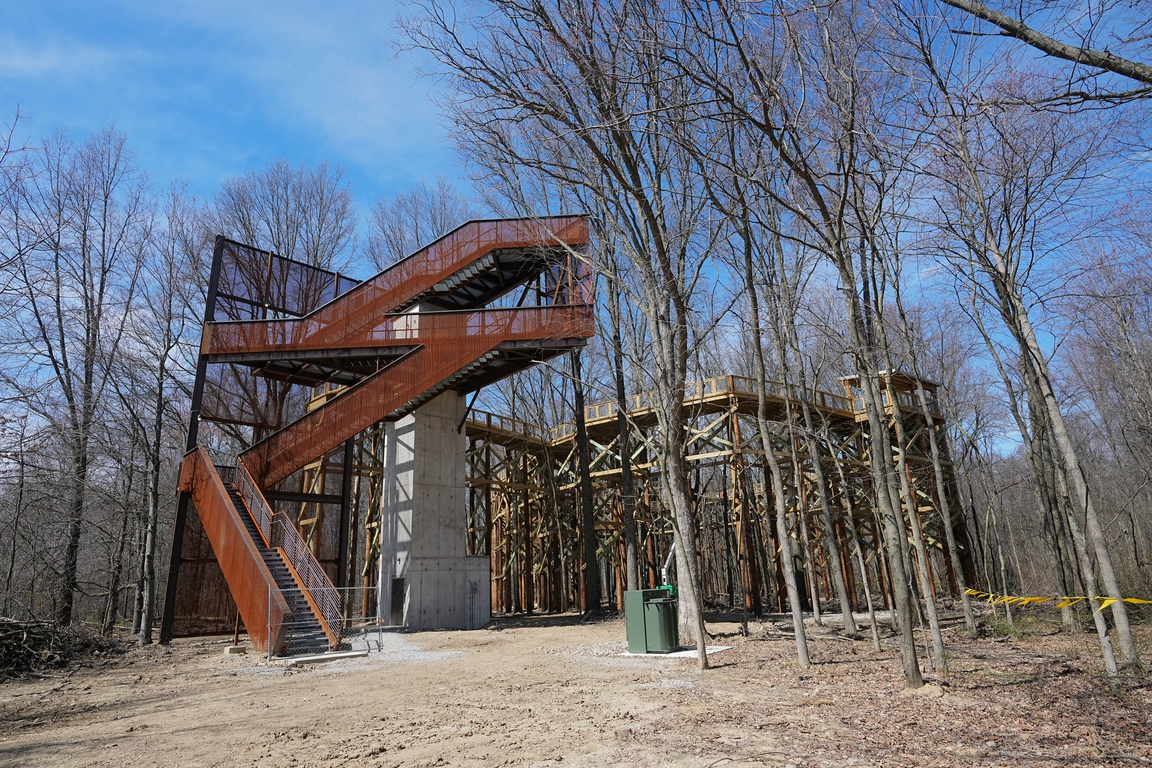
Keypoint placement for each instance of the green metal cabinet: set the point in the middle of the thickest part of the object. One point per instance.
(650, 621)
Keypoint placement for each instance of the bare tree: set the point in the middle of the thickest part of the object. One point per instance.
(797, 79)
(399, 225)
(1093, 33)
(162, 331)
(1008, 178)
(303, 213)
(584, 94)
(86, 210)
(742, 205)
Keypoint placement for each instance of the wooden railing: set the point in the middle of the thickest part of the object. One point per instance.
(909, 401)
(704, 389)
(484, 420)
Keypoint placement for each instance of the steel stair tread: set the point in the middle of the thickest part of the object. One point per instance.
(304, 634)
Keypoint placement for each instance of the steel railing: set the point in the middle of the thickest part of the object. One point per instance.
(251, 583)
(277, 530)
(258, 506)
(448, 343)
(324, 595)
(391, 330)
(355, 313)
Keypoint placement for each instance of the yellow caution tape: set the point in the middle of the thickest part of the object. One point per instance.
(1061, 602)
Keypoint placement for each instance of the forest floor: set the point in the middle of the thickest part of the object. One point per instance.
(554, 691)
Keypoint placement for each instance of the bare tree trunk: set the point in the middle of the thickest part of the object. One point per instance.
(1089, 577)
(937, 465)
(687, 553)
(839, 583)
(148, 600)
(20, 481)
(887, 507)
(1084, 556)
(807, 559)
(857, 550)
(79, 483)
(939, 660)
(627, 493)
(782, 534)
(944, 508)
(1044, 470)
(1078, 485)
(112, 604)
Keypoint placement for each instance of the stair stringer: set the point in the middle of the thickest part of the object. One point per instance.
(255, 591)
(375, 398)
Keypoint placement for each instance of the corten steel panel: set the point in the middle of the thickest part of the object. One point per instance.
(203, 605)
(357, 311)
(254, 285)
(450, 341)
(257, 597)
(257, 290)
(404, 330)
(277, 530)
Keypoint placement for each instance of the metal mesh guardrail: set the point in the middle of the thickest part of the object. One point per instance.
(449, 342)
(311, 573)
(355, 319)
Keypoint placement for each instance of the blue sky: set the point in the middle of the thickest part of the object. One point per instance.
(206, 89)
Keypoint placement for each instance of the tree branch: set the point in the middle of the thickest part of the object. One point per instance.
(1053, 47)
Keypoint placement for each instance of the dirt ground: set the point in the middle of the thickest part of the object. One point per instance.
(554, 691)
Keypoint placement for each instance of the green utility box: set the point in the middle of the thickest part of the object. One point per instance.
(650, 621)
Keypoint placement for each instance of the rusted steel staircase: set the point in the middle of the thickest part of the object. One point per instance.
(413, 331)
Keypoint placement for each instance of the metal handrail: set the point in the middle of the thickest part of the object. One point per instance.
(258, 506)
(237, 553)
(311, 573)
(448, 343)
(277, 530)
(386, 329)
(348, 314)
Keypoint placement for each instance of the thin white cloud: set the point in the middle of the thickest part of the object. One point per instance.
(68, 59)
(327, 66)
(208, 88)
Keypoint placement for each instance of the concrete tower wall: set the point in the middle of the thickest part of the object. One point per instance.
(428, 581)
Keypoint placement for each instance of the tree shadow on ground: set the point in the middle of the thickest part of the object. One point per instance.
(541, 620)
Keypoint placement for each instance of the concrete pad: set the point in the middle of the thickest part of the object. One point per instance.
(235, 649)
(320, 658)
(685, 652)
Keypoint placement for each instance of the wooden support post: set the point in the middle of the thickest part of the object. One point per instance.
(846, 568)
(345, 517)
(749, 573)
(919, 525)
(529, 541)
(650, 557)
